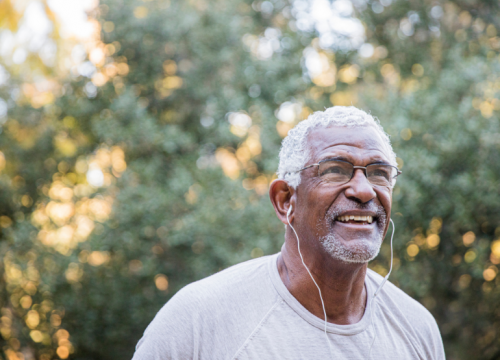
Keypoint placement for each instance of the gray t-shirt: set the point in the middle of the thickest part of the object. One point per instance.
(246, 312)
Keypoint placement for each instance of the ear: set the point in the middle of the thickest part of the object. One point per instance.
(282, 197)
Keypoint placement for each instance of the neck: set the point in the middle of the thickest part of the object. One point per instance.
(342, 284)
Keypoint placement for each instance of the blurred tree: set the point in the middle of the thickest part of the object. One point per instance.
(440, 97)
(146, 167)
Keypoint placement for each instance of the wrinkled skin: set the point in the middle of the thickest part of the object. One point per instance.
(315, 205)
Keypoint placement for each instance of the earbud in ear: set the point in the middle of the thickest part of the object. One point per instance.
(289, 210)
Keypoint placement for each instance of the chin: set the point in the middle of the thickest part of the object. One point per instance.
(357, 251)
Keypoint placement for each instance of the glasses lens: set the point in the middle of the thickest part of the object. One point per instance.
(383, 175)
(335, 171)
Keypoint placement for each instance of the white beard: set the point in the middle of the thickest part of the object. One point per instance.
(363, 252)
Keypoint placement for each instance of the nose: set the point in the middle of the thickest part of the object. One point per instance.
(359, 188)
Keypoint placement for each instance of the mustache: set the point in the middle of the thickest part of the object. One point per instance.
(346, 205)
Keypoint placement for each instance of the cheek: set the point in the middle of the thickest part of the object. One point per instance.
(385, 199)
(314, 203)
(325, 202)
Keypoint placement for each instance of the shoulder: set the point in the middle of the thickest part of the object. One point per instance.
(411, 317)
(409, 307)
(244, 278)
(213, 315)
(237, 291)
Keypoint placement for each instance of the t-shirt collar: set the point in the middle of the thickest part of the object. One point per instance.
(351, 329)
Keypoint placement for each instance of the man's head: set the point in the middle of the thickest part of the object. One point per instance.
(295, 149)
(347, 218)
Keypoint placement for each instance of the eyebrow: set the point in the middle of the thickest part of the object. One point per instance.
(343, 158)
(340, 157)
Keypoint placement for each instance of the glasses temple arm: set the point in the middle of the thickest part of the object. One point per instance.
(307, 167)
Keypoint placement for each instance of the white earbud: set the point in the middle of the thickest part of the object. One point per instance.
(289, 212)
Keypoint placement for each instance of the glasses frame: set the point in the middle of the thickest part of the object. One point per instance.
(399, 172)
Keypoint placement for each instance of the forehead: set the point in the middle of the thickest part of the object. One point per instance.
(362, 143)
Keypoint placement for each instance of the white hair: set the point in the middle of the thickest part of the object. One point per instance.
(295, 151)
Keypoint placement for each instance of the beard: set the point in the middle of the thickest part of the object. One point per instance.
(360, 250)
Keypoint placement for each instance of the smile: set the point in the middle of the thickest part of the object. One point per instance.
(355, 219)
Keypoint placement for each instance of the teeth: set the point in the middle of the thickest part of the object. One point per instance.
(368, 219)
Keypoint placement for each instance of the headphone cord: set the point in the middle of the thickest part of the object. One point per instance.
(378, 290)
(314, 281)
(390, 269)
(319, 290)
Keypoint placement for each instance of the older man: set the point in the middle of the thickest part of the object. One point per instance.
(316, 299)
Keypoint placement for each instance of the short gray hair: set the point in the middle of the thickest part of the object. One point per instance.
(295, 153)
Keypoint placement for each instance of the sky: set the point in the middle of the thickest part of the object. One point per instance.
(333, 20)
(35, 28)
(72, 16)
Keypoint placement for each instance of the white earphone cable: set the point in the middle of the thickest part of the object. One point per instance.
(390, 269)
(312, 278)
(378, 290)
(319, 290)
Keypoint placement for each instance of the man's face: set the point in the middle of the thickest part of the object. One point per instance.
(324, 206)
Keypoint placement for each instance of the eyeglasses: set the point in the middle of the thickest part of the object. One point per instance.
(339, 172)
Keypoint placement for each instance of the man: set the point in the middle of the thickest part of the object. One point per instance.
(316, 299)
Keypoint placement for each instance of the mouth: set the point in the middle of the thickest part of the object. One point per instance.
(356, 219)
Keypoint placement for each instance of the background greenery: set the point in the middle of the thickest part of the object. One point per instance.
(145, 165)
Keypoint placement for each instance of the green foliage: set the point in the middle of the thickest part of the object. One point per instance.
(180, 175)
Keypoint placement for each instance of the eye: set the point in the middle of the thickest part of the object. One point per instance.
(381, 171)
(335, 169)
